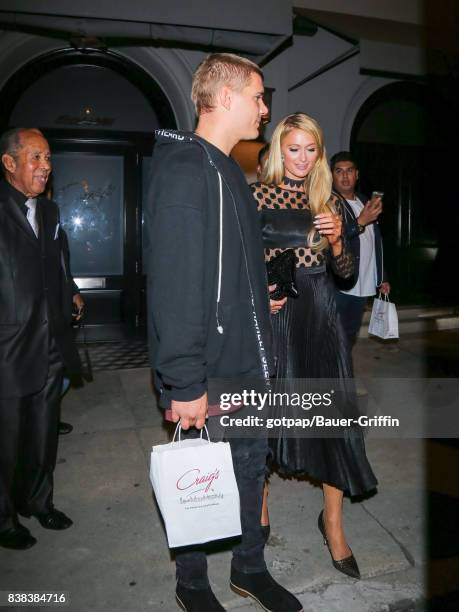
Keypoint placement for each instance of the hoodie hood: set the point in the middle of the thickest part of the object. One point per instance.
(167, 137)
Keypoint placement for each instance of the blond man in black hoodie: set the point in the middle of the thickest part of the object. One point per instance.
(208, 301)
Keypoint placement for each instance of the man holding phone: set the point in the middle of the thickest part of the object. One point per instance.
(362, 231)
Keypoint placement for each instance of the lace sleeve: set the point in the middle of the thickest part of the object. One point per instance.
(344, 264)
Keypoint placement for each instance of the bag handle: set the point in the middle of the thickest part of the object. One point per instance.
(179, 429)
(383, 296)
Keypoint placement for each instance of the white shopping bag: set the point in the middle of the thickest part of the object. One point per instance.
(196, 490)
(383, 320)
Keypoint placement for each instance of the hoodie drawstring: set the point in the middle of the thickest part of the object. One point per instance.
(220, 253)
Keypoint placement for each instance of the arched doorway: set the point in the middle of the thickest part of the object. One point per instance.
(99, 112)
(403, 140)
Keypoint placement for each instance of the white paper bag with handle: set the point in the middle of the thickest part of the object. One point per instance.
(384, 319)
(196, 490)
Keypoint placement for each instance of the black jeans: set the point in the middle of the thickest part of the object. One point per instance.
(249, 460)
(350, 310)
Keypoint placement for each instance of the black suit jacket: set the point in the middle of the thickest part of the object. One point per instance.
(35, 286)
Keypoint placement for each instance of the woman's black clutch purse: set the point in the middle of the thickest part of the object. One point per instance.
(281, 272)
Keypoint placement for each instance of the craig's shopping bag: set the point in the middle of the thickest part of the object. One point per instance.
(384, 320)
(196, 490)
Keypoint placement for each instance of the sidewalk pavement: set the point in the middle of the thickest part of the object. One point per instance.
(115, 557)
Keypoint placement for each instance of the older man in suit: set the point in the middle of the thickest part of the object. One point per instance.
(35, 338)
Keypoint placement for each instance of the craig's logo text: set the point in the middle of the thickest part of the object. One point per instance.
(194, 482)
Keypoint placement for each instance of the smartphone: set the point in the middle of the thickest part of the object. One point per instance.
(377, 194)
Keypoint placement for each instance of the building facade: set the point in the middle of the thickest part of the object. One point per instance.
(99, 78)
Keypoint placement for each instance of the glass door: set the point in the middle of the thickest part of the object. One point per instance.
(97, 185)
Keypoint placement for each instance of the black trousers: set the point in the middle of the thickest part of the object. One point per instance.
(249, 461)
(28, 447)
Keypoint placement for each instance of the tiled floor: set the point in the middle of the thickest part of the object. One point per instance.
(115, 355)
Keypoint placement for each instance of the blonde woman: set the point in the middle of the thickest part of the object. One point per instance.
(298, 211)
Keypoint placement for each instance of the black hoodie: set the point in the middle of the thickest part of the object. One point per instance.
(208, 304)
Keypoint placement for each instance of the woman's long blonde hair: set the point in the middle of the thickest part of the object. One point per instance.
(317, 184)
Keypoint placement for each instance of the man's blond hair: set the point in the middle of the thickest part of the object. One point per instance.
(216, 71)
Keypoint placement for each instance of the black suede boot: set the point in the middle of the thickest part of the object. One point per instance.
(197, 600)
(262, 587)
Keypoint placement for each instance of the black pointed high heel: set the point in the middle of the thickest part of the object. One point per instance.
(348, 565)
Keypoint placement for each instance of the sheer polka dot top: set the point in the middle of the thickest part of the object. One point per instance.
(277, 198)
(270, 196)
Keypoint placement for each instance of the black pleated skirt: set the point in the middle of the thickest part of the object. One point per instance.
(310, 343)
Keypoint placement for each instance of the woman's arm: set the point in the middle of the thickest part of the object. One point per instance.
(343, 264)
(330, 225)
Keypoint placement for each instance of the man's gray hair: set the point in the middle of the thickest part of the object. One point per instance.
(11, 142)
